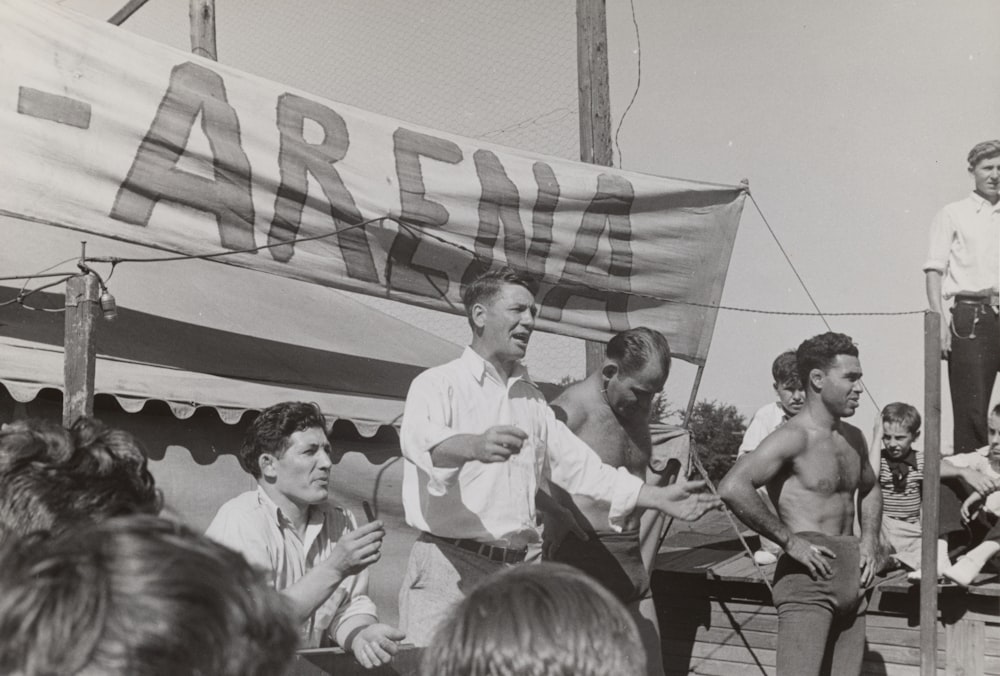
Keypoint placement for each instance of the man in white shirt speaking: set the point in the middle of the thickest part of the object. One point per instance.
(479, 441)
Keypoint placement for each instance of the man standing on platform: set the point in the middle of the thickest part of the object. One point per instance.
(479, 440)
(963, 265)
(610, 410)
(812, 466)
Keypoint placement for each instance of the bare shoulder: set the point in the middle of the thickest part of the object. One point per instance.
(854, 437)
(570, 406)
(785, 443)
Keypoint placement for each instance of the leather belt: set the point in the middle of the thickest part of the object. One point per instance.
(491, 552)
(977, 300)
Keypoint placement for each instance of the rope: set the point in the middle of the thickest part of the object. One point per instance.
(696, 462)
(638, 81)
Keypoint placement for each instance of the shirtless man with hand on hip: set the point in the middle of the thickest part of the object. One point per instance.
(812, 466)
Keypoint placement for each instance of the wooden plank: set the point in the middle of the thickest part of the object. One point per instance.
(966, 645)
(932, 478)
(723, 668)
(325, 661)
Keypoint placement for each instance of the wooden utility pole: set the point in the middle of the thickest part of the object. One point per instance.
(594, 103)
(932, 486)
(80, 346)
(202, 14)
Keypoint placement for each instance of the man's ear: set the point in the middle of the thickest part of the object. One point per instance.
(609, 370)
(266, 462)
(478, 315)
(916, 435)
(816, 379)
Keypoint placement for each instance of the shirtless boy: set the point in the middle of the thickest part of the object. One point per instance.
(610, 411)
(812, 467)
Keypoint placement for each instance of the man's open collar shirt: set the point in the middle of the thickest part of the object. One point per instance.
(965, 246)
(255, 526)
(494, 503)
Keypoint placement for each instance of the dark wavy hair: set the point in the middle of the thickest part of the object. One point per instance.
(546, 619)
(819, 352)
(138, 596)
(270, 431)
(54, 478)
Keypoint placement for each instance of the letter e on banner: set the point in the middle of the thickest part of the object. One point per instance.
(409, 146)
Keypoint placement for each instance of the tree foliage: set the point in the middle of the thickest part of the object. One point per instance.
(716, 432)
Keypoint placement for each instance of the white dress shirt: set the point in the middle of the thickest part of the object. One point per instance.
(965, 246)
(254, 526)
(494, 503)
(979, 460)
(768, 418)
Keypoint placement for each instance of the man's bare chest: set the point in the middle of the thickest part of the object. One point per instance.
(616, 444)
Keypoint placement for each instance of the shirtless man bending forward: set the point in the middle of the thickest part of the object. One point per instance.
(610, 411)
(812, 467)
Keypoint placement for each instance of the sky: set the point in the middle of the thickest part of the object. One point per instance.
(850, 120)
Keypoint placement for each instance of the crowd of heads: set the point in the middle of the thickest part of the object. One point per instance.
(137, 595)
(92, 581)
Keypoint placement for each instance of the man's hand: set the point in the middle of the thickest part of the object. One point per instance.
(945, 338)
(375, 645)
(686, 500)
(499, 443)
(871, 562)
(813, 557)
(979, 482)
(357, 549)
(970, 508)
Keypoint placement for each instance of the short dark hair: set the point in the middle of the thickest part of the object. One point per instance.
(982, 151)
(138, 595)
(54, 478)
(545, 618)
(635, 348)
(903, 414)
(486, 286)
(785, 370)
(819, 352)
(271, 429)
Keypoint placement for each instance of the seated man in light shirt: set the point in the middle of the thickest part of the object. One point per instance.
(312, 551)
(480, 443)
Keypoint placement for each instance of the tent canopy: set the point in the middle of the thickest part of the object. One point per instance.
(199, 333)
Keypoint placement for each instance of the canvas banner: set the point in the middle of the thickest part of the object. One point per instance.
(107, 132)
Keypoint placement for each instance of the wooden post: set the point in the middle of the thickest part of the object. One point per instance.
(932, 485)
(202, 14)
(594, 104)
(80, 347)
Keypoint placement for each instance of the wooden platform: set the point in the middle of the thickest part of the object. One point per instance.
(716, 616)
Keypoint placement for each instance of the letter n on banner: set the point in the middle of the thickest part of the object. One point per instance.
(610, 207)
(154, 175)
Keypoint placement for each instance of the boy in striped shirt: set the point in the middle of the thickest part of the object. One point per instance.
(901, 478)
